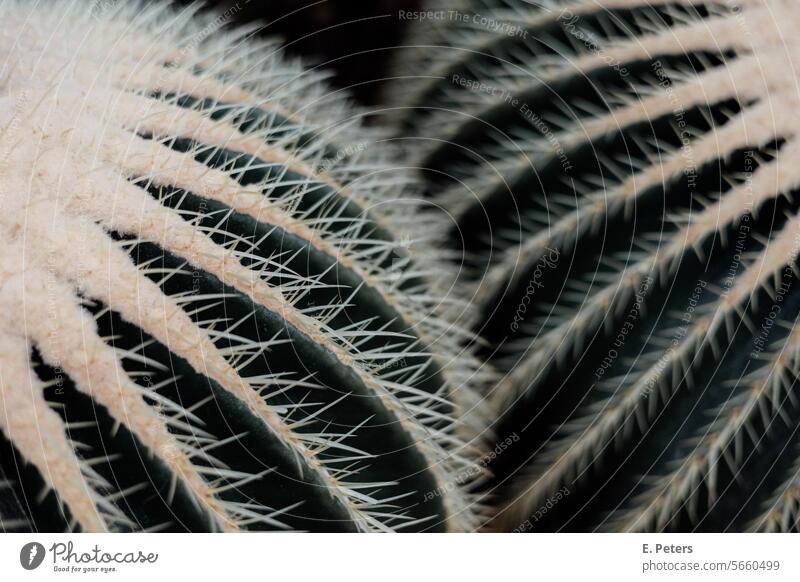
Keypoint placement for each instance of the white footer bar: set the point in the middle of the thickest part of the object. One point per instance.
(410, 558)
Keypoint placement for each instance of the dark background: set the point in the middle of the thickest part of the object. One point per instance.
(353, 38)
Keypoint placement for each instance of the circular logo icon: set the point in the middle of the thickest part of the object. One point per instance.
(31, 555)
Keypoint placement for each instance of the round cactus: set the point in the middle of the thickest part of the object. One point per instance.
(219, 311)
(622, 176)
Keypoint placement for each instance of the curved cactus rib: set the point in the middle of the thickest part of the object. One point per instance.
(77, 345)
(745, 79)
(718, 33)
(25, 418)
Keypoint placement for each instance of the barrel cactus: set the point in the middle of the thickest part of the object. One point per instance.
(622, 179)
(219, 310)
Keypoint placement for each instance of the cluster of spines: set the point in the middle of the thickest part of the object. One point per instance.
(657, 160)
(215, 269)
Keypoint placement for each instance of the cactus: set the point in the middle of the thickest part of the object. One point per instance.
(622, 175)
(219, 310)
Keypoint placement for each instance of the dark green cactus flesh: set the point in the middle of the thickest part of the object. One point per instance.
(218, 310)
(622, 179)
(225, 306)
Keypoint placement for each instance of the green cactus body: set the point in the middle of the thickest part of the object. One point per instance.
(218, 309)
(623, 177)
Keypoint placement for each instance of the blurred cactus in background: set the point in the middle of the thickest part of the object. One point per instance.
(621, 180)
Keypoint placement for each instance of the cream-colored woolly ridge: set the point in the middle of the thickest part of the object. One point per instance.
(89, 112)
(759, 72)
